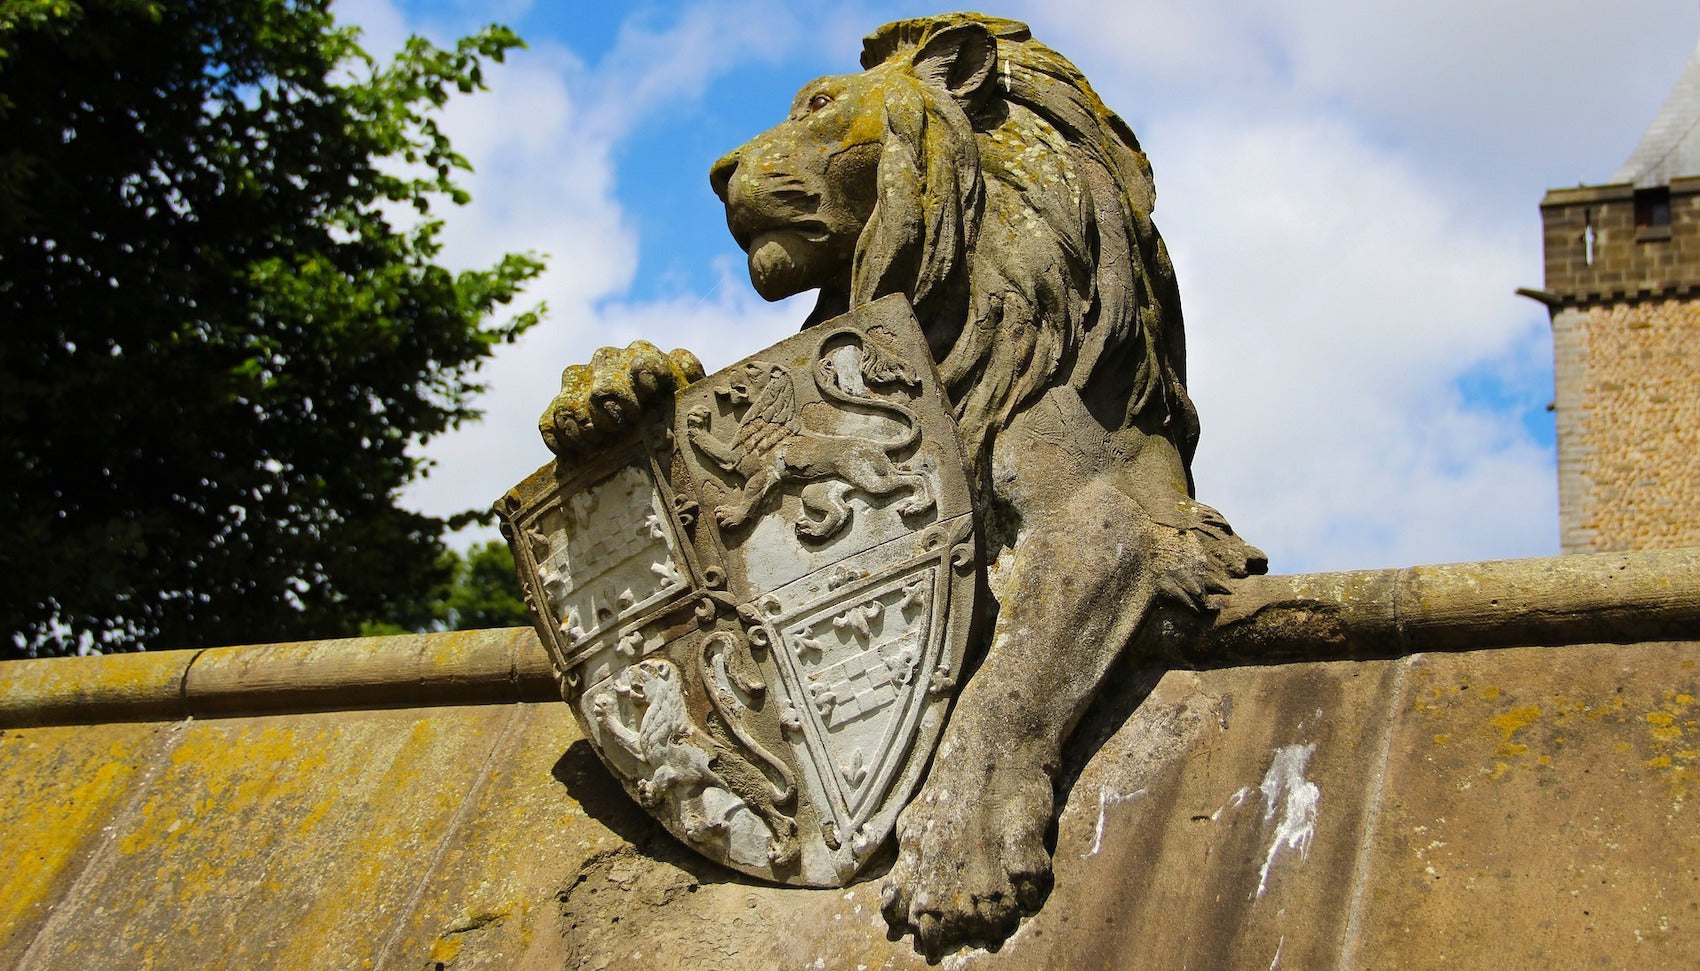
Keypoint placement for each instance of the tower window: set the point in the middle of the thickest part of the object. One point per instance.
(1652, 207)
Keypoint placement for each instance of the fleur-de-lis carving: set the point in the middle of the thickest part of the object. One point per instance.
(902, 664)
(666, 572)
(856, 618)
(806, 644)
(572, 627)
(823, 697)
(651, 528)
(914, 595)
(855, 769)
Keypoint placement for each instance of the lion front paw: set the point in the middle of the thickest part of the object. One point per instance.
(971, 860)
(1200, 559)
(601, 401)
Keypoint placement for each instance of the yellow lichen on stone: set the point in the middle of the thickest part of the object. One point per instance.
(1515, 720)
(1663, 725)
(60, 785)
(1509, 723)
(1667, 727)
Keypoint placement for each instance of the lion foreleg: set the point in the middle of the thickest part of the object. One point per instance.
(738, 508)
(971, 853)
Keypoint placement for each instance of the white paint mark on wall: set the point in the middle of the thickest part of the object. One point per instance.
(1234, 802)
(1285, 789)
(1108, 797)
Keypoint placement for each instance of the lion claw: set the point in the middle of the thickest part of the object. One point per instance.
(601, 401)
(968, 870)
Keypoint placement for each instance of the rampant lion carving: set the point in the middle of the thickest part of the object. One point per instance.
(682, 761)
(973, 170)
(773, 447)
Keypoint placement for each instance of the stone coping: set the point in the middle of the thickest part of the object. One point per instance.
(1615, 598)
(1611, 192)
(411, 670)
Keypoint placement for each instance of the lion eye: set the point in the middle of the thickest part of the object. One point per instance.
(818, 102)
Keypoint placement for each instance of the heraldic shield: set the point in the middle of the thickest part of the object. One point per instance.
(758, 606)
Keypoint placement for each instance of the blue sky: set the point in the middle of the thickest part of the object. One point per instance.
(1349, 190)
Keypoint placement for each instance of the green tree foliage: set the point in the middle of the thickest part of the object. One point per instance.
(479, 591)
(221, 322)
(483, 591)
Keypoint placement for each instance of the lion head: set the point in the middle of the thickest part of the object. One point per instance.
(974, 170)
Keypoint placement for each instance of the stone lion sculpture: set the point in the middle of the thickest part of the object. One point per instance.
(975, 171)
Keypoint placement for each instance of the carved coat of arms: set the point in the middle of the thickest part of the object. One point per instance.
(758, 605)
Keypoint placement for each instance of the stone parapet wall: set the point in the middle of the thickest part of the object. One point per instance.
(1479, 809)
(1618, 257)
(1627, 404)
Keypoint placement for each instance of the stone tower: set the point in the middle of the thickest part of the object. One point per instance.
(1623, 288)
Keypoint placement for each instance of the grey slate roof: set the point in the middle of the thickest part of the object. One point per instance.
(1670, 147)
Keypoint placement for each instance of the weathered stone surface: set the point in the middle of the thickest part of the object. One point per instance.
(1481, 809)
(408, 669)
(1618, 597)
(1199, 801)
(50, 690)
(60, 787)
(294, 840)
(542, 813)
(1539, 805)
(459, 667)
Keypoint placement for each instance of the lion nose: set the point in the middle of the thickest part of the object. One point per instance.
(720, 176)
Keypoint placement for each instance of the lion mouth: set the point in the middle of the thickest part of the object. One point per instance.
(808, 229)
(773, 206)
(784, 262)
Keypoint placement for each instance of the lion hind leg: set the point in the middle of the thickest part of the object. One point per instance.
(825, 509)
(751, 786)
(921, 495)
(882, 478)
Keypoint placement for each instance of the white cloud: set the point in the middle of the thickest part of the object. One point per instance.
(1509, 97)
(383, 29)
(542, 142)
(1348, 189)
(1333, 299)
(1349, 192)
(651, 70)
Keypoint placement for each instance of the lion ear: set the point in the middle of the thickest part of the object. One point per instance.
(961, 59)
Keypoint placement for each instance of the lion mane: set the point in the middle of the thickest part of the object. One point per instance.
(1020, 228)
